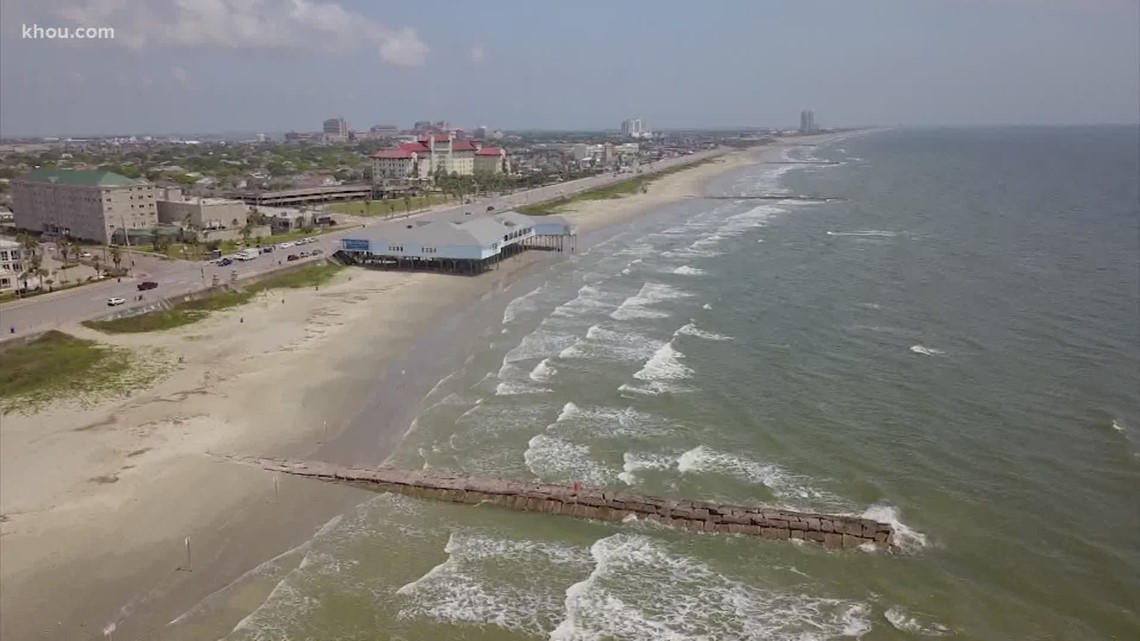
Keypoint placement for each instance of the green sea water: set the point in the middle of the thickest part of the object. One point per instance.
(951, 344)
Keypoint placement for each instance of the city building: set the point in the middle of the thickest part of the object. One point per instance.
(201, 213)
(481, 132)
(83, 204)
(431, 155)
(11, 264)
(336, 129)
(807, 121)
(491, 160)
(634, 128)
(384, 130)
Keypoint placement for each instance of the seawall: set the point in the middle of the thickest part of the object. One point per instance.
(833, 531)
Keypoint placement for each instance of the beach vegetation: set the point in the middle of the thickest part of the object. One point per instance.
(194, 310)
(638, 184)
(58, 365)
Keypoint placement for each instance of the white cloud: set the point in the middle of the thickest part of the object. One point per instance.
(478, 54)
(324, 25)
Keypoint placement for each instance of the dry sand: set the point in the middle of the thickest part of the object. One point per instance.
(98, 502)
(596, 214)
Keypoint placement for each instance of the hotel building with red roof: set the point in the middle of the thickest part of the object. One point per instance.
(433, 154)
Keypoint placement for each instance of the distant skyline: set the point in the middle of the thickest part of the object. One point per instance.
(199, 66)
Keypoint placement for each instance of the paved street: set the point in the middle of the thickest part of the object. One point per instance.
(181, 277)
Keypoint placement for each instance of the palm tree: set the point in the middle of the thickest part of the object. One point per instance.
(246, 232)
(116, 256)
(28, 243)
(367, 206)
(407, 203)
(96, 261)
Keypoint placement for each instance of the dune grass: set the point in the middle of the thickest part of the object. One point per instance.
(59, 365)
(192, 311)
(637, 184)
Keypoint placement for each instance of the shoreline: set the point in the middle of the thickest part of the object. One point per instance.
(263, 386)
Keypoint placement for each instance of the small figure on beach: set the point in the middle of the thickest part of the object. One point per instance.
(577, 486)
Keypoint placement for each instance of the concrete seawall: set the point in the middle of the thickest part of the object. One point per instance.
(833, 531)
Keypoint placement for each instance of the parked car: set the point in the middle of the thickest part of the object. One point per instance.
(112, 302)
(225, 262)
(490, 208)
(267, 249)
(292, 257)
(285, 245)
(85, 255)
(304, 254)
(317, 252)
(147, 284)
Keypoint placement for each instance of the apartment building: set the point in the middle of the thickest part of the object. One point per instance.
(83, 204)
(11, 264)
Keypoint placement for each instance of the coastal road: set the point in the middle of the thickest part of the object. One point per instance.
(182, 277)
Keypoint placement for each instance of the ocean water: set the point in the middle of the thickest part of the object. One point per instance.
(952, 344)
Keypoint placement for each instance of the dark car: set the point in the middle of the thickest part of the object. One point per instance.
(147, 284)
(490, 208)
(225, 262)
(292, 257)
(317, 252)
(266, 249)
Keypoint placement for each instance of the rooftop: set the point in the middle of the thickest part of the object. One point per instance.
(82, 178)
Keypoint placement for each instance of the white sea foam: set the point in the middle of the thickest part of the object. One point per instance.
(906, 622)
(755, 217)
(520, 305)
(926, 351)
(685, 270)
(589, 301)
(707, 306)
(665, 365)
(638, 461)
(692, 330)
(793, 489)
(906, 538)
(511, 388)
(1118, 425)
(554, 459)
(458, 590)
(607, 344)
(689, 601)
(596, 421)
(540, 343)
(873, 233)
(543, 372)
(640, 304)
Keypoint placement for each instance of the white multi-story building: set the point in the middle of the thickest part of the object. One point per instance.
(83, 204)
(634, 128)
(11, 264)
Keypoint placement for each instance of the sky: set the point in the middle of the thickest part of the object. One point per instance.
(214, 66)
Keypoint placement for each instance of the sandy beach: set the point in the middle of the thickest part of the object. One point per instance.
(99, 501)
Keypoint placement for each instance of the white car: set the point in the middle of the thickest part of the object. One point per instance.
(85, 255)
(285, 245)
(112, 302)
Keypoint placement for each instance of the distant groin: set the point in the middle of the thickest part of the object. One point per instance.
(833, 531)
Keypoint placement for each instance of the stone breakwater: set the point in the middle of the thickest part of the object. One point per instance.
(833, 531)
